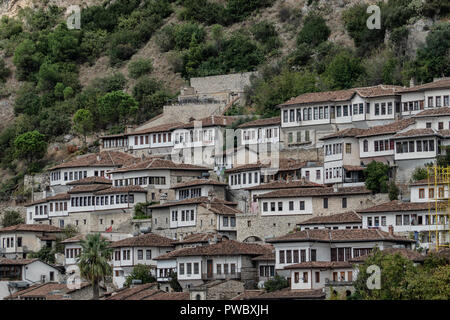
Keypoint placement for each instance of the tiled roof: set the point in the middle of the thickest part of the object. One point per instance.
(169, 296)
(123, 189)
(433, 112)
(261, 122)
(345, 217)
(398, 205)
(137, 292)
(220, 208)
(156, 129)
(101, 159)
(313, 192)
(16, 262)
(222, 121)
(90, 180)
(44, 290)
(60, 196)
(88, 188)
(265, 257)
(158, 163)
(320, 265)
(145, 240)
(390, 128)
(284, 164)
(245, 167)
(350, 132)
(424, 182)
(344, 95)
(416, 133)
(287, 185)
(31, 228)
(406, 253)
(353, 168)
(438, 84)
(288, 294)
(197, 200)
(199, 182)
(339, 235)
(248, 294)
(75, 239)
(223, 248)
(199, 238)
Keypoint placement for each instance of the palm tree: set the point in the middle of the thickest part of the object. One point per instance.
(93, 261)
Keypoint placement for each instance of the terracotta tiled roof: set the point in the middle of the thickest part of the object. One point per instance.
(248, 294)
(344, 95)
(345, 217)
(31, 228)
(75, 239)
(169, 296)
(265, 257)
(398, 205)
(287, 164)
(145, 240)
(287, 185)
(137, 292)
(261, 122)
(199, 182)
(390, 128)
(156, 129)
(197, 200)
(245, 167)
(288, 294)
(60, 196)
(88, 188)
(424, 182)
(320, 265)
(350, 132)
(158, 163)
(438, 84)
(406, 253)
(223, 248)
(101, 159)
(211, 121)
(314, 192)
(123, 189)
(220, 208)
(353, 168)
(339, 235)
(199, 238)
(90, 180)
(44, 290)
(16, 262)
(416, 133)
(433, 112)
(442, 253)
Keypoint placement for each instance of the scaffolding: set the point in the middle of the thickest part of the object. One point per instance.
(438, 205)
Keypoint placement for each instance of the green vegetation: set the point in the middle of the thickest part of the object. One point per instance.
(140, 272)
(46, 254)
(84, 122)
(139, 67)
(30, 146)
(276, 283)
(394, 191)
(376, 175)
(402, 280)
(94, 261)
(173, 282)
(11, 218)
(419, 174)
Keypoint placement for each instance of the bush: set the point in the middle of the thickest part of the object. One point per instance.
(11, 218)
(343, 71)
(27, 100)
(140, 272)
(275, 284)
(4, 71)
(265, 33)
(139, 67)
(165, 38)
(30, 146)
(419, 174)
(314, 31)
(285, 12)
(184, 34)
(376, 175)
(394, 191)
(110, 83)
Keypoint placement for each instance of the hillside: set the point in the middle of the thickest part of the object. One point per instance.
(58, 86)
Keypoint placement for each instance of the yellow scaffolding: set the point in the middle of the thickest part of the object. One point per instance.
(439, 205)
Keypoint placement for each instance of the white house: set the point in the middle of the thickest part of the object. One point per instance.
(142, 249)
(18, 274)
(345, 220)
(260, 131)
(199, 188)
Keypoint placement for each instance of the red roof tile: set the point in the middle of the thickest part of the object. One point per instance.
(123, 189)
(406, 253)
(345, 217)
(350, 132)
(438, 84)
(319, 265)
(288, 294)
(90, 180)
(31, 228)
(101, 159)
(314, 192)
(211, 121)
(198, 182)
(416, 133)
(398, 205)
(390, 128)
(261, 122)
(158, 163)
(60, 196)
(145, 240)
(287, 185)
(433, 112)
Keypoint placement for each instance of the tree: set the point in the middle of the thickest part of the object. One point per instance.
(4, 71)
(376, 175)
(393, 191)
(94, 261)
(139, 67)
(173, 282)
(83, 123)
(116, 107)
(11, 218)
(140, 272)
(30, 146)
(314, 31)
(343, 71)
(277, 283)
(419, 174)
(45, 254)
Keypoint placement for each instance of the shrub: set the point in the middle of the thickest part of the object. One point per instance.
(110, 83)
(376, 175)
(145, 86)
(419, 174)
(265, 33)
(314, 31)
(393, 191)
(343, 71)
(185, 33)
(165, 38)
(4, 71)
(139, 67)
(11, 218)
(275, 284)
(285, 12)
(30, 146)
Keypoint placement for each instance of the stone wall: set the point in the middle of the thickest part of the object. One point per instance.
(235, 82)
(225, 290)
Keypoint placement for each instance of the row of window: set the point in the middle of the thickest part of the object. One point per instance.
(274, 207)
(244, 178)
(438, 100)
(307, 175)
(332, 173)
(229, 221)
(296, 256)
(307, 137)
(8, 242)
(266, 271)
(157, 138)
(228, 268)
(380, 108)
(253, 134)
(186, 215)
(189, 268)
(376, 221)
(409, 146)
(206, 135)
(73, 253)
(122, 255)
(101, 200)
(141, 181)
(335, 148)
(431, 193)
(189, 193)
(55, 176)
(112, 143)
(419, 220)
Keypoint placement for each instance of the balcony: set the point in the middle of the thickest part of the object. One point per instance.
(221, 276)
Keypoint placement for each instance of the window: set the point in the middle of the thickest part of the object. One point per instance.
(305, 277)
(196, 268)
(302, 205)
(366, 146)
(325, 203)
(148, 254)
(225, 268)
(281, 257)
(296, 277)
(295, 256)
(398, 220)
(272, 206)
(291, 205)
(265, 206)
(188, 268)
(140, 254)
(288, 256)
(348, 148)
(219, 268)
(181, 267)
(317, 276)
(280, 206)
(344, 202)
(431, 193)
(313, 255)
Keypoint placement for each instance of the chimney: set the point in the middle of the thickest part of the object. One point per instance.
(412, 82)
(98, 157)
(163, 198)
(391, 230)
